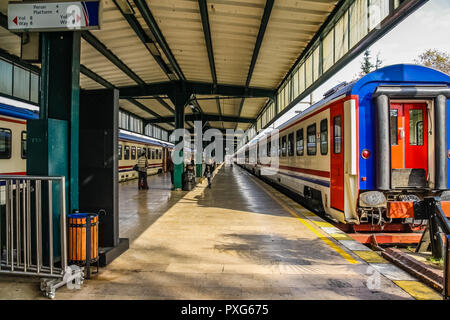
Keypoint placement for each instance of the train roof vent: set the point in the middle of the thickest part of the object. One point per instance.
(334, 89)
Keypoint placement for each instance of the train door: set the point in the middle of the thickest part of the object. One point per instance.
(337, 157)
(409, 142)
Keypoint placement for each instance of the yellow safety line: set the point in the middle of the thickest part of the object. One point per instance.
(339, 250)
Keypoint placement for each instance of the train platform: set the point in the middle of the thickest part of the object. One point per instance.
(241, 239)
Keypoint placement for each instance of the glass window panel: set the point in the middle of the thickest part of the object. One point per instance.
(23, 144)
(341, 37)
(300, 145)
(416, 127)
(34, 87)
(21, 88)
(358, 21)
(316, 61)
(119, 152)
(337, 134)
(378, 10)
(324, 137)
(302, 77)
(309, 76)
(394, 127)
(5, 143)
(328, 54)
(133, 153)
(283, 146)
(295, 84)
(291, 144)
(311, 140)
(6, 77)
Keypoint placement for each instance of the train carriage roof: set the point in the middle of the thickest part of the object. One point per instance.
(394, 74)
(16, 112)
(143, 139)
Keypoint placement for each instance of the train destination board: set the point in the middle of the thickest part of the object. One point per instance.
(54, 16)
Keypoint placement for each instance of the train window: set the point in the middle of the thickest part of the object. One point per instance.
(291, 144)
(394, 127)
(5, 143)
(283, 146)
(416, 127)
(300, 142)
(268, 148)
(126, 153)
(337, 135)
(279, 147)
(311, 140)
(144, 151)
(159, 154)
(324, 137)
(119, 151)
(149, 153)
(133, 153)
(23, 145)
(139, 151)
(153, 154)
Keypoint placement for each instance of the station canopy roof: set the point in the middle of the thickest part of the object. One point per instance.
(251, 43)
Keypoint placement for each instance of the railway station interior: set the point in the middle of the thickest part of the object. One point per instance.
(134, 162)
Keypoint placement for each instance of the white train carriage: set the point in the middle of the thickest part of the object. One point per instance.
(131, 145)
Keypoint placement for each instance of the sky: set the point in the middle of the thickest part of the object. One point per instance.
(426, 28)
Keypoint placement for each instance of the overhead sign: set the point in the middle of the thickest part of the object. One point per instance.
(54, 16)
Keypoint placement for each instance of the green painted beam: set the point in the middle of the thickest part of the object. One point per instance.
(195, 87)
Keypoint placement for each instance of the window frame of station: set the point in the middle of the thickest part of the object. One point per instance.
(31, 74)
(8, 151)
(340, 46)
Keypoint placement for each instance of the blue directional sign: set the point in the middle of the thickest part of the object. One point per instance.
(54, 16)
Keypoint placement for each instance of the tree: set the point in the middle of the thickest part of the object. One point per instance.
(366, 64)
(436, 59)
(378, 62)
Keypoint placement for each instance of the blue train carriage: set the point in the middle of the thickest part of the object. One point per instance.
(130, 147)
(370, 148)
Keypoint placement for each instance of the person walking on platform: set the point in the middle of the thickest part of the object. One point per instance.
(170, 167)
(208, 172)
(142, 165)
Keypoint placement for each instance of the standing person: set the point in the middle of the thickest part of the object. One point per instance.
(208, 172)
(170, 166)
(142, 165)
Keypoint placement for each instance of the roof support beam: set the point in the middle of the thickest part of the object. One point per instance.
(198, 88)
(157, 34)
(207, 33)
(203, 117)
(146, 40)
(259, 39)
(100, 47)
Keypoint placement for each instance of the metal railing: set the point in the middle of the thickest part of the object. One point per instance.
(26, 234)
(33, 231)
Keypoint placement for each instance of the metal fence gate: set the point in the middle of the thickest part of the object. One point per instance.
(33, 231)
